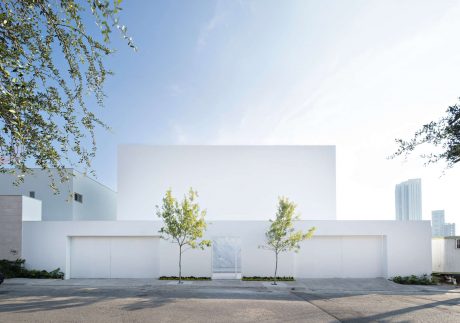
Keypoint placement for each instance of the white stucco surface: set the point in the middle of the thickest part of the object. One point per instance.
(446, 255)
(338, 249)
(114, 257)
(99, 201)
(31, 209)
(233, 182)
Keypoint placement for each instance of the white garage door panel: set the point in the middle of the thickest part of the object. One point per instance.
(362, 257)
(114, 257)
(134, 258)
(341, 256)
(317, 254)
(90, 258)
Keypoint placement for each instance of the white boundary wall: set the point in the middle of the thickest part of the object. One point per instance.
(404, 247)
(233, 182)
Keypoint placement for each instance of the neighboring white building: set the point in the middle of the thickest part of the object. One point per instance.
(439, 227)
(239, 187)
(408, 200)
(446, 255)
(80, 198)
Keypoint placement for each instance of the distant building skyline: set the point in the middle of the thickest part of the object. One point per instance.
(437, 223)
(408, 200)
(439, 228)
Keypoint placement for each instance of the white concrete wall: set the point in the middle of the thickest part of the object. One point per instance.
(406, 246)
(99, 201)
(31, 209)
(234, 182)
(446, 257)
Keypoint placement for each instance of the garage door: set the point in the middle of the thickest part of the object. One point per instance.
(114, 257)
(342, 257)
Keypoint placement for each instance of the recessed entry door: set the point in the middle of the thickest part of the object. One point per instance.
(226, 258)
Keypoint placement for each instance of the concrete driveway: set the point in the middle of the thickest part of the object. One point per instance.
(312, 300)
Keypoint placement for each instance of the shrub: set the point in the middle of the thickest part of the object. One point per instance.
(414, 280)
(183, 278)
(268, 278)
(15, 269)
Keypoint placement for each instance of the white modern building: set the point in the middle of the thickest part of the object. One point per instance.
(439, 226)
(446, 255)
(239, 187)
(79, 198)
(408, 200)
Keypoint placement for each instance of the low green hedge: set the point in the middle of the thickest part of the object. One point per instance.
(414, 280)
(183, 278)
(265, 278)
(15, 269)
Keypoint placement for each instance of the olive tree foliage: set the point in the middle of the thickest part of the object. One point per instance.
(51, 75)
(282, 236)
(443, 134)
(184, 223)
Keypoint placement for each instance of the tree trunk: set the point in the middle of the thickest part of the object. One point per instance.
(180, 265)
(276, 268)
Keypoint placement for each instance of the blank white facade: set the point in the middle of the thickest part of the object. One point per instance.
(121, 249)
(233, 182)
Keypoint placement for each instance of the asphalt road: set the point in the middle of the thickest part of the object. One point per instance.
(212, 302)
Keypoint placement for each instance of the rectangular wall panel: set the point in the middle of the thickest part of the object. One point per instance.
(341, 257)
(134, 257)
(90, 257)
(114, 257)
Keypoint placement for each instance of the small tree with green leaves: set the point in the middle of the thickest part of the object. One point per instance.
(282, 236)
(184, 223)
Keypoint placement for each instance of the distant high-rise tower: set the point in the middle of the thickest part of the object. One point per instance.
(449, 229)
(439, 228)
(408, 200)
(437, 223)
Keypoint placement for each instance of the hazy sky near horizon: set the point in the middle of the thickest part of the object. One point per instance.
(355, 74)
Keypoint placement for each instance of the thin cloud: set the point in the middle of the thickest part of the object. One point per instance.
(208, 29)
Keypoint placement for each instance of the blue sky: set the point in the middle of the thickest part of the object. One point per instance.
(355, 74)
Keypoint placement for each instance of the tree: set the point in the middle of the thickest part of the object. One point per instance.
(184, 223)
(443, 134)
(51, 71)
(281, 236)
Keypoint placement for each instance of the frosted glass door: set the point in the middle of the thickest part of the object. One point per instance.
(226, 255)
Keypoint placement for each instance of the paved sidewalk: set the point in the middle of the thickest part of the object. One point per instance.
(147, 300)
(311, 285)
